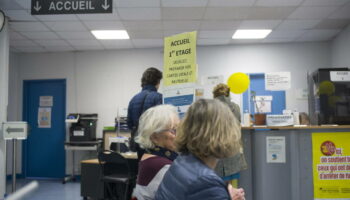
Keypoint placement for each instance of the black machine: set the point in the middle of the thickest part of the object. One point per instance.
(329, 96)
(83, 127)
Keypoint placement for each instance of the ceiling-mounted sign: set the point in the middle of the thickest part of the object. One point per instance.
(54, 7)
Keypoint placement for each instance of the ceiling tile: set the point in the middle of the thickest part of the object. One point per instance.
(22, 43)
(274, 3)
(58, 48)
(31, 49)
(225, 3)
(298, 24)
(66, 26)
(136, 3)
(104, 25)
(325, 2)
(28, 26)
(220, 24)
(333, 24)
(272, 13)
(57, 17)
(321, 35)
(88, 48)
(40, 35)
(76, 35)
(143, 25)
(184, 3)
(214, 13)
(216, 34)
(9, 5)
(75, 43)
(182, 13)
(99, 17)
(52, 42)
(286, 34)
(145, 34)
(259, 24)
(146, 43)
(117, 44)
(168, 33)
(315, 12)
(16, 36)
(24, 3)
(247, 41)
(19, 15)
(341, 13)
(139, 13)
(213, 41)
(189, 25)
(278, 40)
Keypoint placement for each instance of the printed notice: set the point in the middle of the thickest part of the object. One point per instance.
(331, 165)
(46, 101)
(179, 97)
(275, 149)
(180, 59)
(276, 81)
(44, 117)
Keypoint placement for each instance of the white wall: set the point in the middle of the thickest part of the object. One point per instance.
(341, 49)
(4, 72)
(101, 81)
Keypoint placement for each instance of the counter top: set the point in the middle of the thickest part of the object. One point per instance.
(298, 127)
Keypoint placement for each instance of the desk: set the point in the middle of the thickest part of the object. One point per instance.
(91, 185)
(79, 146)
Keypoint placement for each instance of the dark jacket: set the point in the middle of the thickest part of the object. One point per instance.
(188, 178)
(149, 97)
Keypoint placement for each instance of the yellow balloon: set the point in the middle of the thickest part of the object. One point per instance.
(238, 82)
(326, 87)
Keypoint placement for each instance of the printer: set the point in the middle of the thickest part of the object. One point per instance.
(83, 127)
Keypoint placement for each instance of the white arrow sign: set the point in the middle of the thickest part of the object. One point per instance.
(37, 7)
(105, 5)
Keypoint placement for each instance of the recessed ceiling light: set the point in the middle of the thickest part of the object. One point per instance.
(251, 33)
(110, 34)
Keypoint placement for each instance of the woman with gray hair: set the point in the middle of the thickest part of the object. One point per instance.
(157, 130)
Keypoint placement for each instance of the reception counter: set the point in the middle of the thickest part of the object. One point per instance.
(292, 180)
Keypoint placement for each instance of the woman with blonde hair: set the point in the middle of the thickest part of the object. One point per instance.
(229, 168)
(205, 135)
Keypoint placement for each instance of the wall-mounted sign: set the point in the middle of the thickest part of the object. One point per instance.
(46, 101)
(276, 149)
(331, 165)
(276, 81)
(54, 7)
(340, 76)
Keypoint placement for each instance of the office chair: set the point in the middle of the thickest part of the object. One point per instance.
(115, 172)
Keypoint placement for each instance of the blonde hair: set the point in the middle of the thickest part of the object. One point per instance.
(154, 120)
(208, 129)
(220, 90)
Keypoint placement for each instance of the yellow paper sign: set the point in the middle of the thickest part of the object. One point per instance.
(180, 59)
(331, 165)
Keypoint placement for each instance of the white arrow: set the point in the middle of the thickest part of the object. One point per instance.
(105, 5)
(37, 7)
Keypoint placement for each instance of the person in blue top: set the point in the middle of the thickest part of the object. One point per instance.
(147, 98)
(206, 134)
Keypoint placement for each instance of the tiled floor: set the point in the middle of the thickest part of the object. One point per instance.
(50, 190)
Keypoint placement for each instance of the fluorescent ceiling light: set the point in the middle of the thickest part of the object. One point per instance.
(110, 34)
(251, 34)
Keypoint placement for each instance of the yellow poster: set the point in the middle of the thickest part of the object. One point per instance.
(180, 64)
(331, 165)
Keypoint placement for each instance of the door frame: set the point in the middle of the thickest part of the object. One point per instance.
(25, 115)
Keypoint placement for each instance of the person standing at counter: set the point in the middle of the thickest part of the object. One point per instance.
(229, 168)
(147, 98)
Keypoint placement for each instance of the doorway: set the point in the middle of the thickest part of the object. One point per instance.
(44, 108)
